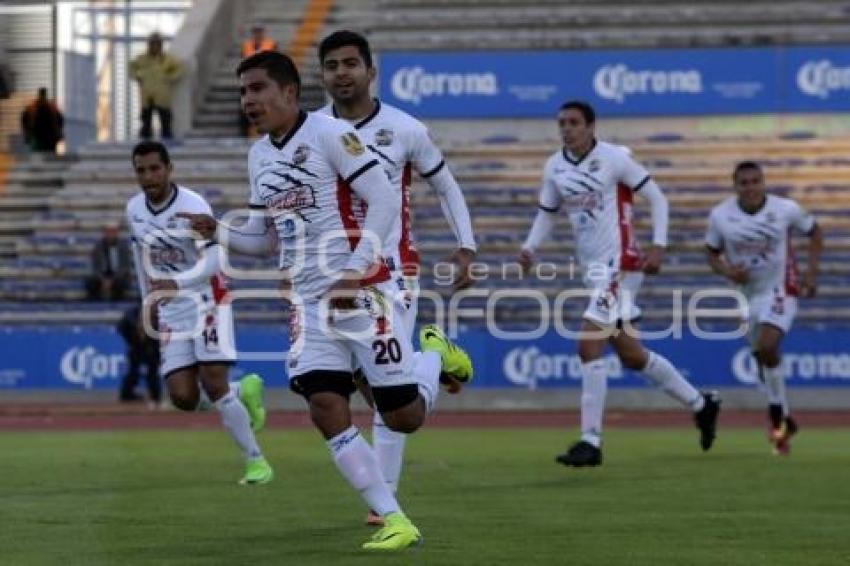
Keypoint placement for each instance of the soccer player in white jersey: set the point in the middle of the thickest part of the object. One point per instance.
(401, 145)
(594, 182)
(748, 242)
(305, 173)
(191, 310)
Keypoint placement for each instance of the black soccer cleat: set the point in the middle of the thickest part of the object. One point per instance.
(580, 454)
(706, 419)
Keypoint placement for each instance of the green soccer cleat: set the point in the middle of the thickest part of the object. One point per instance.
(457, 367)
(251, 395)
(257, 471)
(398, 533)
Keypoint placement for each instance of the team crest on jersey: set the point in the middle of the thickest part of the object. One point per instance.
(352, 144)
(373, 302)
(301, 153)
(166, 257)
(770, 217)
(593, 166)
(582, 202)
(384, 137)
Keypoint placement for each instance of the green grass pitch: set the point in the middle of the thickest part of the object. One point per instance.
(480, 497)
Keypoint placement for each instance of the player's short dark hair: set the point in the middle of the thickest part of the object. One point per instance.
(743, 166)
(148, 146)
(344, 38)
(280, 67)
(585, 108)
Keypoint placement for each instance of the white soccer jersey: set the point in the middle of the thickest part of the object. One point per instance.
(597, 193)
(164, 244)
(759, 242)
(304, 182)
(401, 143)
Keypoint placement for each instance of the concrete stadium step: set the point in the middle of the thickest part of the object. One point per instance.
(8, 247)
(217, 120)
(224, 95)
(219, 106)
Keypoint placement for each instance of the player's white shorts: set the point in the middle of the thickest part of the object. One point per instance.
(186, 340)
(374, 335)
(772, 307)
(613, 298)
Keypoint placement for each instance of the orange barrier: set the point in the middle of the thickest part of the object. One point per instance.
(315, 15)
(6, 164)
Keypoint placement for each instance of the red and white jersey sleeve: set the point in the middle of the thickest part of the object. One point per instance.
(401, 145)
(760, 242)
(425, 156)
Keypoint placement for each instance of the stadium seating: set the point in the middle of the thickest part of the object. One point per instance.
(500, 180)
(53, 210)
(494, 24)
(218, 114)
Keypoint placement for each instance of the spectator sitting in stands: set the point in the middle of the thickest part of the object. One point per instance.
(254, 44)
(141, 350)
(42, 123)
(111, 263)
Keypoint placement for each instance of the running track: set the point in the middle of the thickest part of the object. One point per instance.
(73, 417)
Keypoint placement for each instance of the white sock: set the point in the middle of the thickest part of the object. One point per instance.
(594, 386)
(357, 463)
(204, 403)
(235, 419)
(426, 372)
(389, 451)
(774, 381)
(661, 372)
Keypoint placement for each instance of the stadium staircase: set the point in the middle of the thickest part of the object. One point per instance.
(10, 120)
(297, 29)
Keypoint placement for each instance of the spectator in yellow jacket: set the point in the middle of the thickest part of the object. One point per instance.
(156, 73)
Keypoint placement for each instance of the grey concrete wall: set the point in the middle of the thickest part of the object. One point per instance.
(208, 32)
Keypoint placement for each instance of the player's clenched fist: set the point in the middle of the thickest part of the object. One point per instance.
(203, 224)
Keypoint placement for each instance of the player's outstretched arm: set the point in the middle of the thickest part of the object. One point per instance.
(208, 264)
(660, 211)
(204, 224)
(250, 238)
(457, 215)
(383, 207)
(542, 226)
